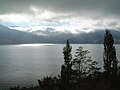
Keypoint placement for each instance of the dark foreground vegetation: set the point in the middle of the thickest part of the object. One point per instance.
(82, 73)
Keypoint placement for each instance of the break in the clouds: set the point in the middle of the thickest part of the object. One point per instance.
(70, 14)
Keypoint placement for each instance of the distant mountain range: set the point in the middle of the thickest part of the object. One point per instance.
(11, 36)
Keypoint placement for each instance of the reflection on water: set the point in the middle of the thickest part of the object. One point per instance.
(35, 45)
(24, 64)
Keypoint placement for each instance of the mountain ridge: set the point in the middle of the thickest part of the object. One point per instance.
(11, 36)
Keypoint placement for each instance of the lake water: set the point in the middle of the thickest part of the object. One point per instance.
(24, 64)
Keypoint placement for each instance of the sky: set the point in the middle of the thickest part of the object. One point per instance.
(72, 15)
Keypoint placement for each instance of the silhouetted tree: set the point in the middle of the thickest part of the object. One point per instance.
(110, 59)
(94, 70)
(83, 64)
(66, 67)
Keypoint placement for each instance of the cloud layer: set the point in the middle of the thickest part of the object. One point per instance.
(69, 6)
(80, 13)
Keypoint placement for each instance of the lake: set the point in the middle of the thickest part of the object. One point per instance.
(25, 63)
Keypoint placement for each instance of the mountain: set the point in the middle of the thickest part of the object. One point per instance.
(50, 35)
(95, 37)
(9, 36)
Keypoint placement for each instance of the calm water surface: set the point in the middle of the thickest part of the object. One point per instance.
(24, 64)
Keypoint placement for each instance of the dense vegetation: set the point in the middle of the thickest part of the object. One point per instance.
(82, 73)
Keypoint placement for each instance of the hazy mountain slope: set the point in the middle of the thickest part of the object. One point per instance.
(16, 36)
(10, 36)
(95, 37)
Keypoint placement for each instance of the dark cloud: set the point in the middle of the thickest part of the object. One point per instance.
(114, 23)
(82, 7)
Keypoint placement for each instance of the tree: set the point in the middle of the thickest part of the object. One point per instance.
(93, 69)
(67, 53)
(83, 64)
(110, 59)
(66, 69)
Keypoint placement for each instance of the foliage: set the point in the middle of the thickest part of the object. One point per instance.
(66, 67)
(67, 53)
(48, 82)
(83, 64)
(110, 59)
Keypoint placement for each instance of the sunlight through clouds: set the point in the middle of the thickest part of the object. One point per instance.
(14, 18)
(36, 18)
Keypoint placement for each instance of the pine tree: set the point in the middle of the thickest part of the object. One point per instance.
(110, 59)
(66, 68)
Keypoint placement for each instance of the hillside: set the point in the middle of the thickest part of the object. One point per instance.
(10, 36)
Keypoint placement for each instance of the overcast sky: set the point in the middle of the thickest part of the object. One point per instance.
(68, 13)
